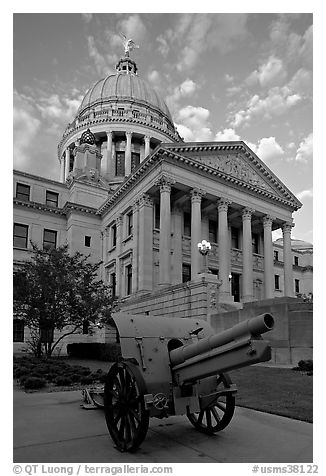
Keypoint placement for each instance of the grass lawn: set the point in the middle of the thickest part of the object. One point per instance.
(281, 391)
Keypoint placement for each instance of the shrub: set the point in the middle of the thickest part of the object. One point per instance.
(86, 380)
(63, 381)
(31, 383)
(305, 365)
(94, 350)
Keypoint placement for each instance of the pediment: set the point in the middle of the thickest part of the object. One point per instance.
(237, 164)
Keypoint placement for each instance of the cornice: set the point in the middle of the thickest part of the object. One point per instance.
(76, 207)
(38, 206)
(39, 178)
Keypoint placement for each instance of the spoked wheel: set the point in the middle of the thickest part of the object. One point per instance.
(217, 416)
(125, 413)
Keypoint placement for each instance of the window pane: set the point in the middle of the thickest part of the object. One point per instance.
(22, 191)
(49, 239)
(20, 235)
(52, 199)
(120, 163)
(135, 160)
(18, 328)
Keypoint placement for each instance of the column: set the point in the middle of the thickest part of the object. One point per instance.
(62, 169)
(223, 250)
(247, 263)
(118, 270)
(135, 251)
(128, 153)
(268, 258)
(196, 196)
(145, 263)
(165, 231)
(177, 245)
(109, 163)
(147, 146)
(67, 162)
(287, 258)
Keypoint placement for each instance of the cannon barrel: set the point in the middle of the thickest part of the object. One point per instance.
(251, 327)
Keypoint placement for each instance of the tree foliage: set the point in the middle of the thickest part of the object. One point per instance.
(59, 291)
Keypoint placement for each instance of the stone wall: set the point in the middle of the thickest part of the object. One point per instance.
(292, 336)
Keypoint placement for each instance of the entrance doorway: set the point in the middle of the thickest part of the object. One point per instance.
(235, 286)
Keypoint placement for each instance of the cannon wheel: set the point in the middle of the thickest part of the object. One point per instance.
(125, 413)
(218, 415)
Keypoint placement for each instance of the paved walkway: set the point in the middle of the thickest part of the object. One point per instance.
(53, 428)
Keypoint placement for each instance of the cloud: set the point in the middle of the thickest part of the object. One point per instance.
(133, 27)
(305, 150)
(193, 123)
(267, 149)
(87, 17)
(184, 90)
(227, 135)
(103, 63)
(194, 33)
(305, 194)
(270, 72)
(26, 127)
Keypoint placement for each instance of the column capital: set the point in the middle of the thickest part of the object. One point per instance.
(223, 204)
(145, 200)
(268, 221)
(247, 213)
(287, 227)
(109, 133)
(135, 205)
(165, 182)
(128, 134)
(147, 138)
(196, 194)
(177, 209)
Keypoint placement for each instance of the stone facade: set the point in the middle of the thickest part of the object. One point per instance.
(133, 195)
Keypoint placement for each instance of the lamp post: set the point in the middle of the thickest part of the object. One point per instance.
(204, 248)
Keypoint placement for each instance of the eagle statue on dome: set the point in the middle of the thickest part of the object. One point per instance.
(128, 44)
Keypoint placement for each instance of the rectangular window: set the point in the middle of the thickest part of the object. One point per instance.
(18, 328)
(128, 279)
(157, 211)
(214, 271)
(187, 224)
(234, 237)
(113, 284)
(52, 199)
(49, 239)
(212, 226)
(23, 191)
(277, 281)
(297, 285)
(255, 243)
(129, 223)
(186, 273)
(296, 261)
(47, 333)
(120, 163)
(20, 235)
(276, 256)
(87, 241)
(135, 160)
(113, 236)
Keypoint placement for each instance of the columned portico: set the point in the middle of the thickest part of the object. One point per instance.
(135, 259)
(196, 197)
(119, 221)
(145, 263)
(223, 250)
(287, 258)
(165, 232)
(247, 276)
(128, 152)
(268, 258)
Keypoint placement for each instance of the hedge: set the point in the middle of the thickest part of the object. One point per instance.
(94, 350)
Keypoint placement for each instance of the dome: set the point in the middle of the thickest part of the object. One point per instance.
(123, 87)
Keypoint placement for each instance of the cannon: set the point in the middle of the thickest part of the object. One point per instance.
(177, 366)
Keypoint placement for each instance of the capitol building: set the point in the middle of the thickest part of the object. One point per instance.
(134, 195)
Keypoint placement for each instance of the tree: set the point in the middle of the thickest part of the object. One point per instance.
(59, 291)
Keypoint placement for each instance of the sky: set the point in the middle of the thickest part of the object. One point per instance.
(224, 76)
